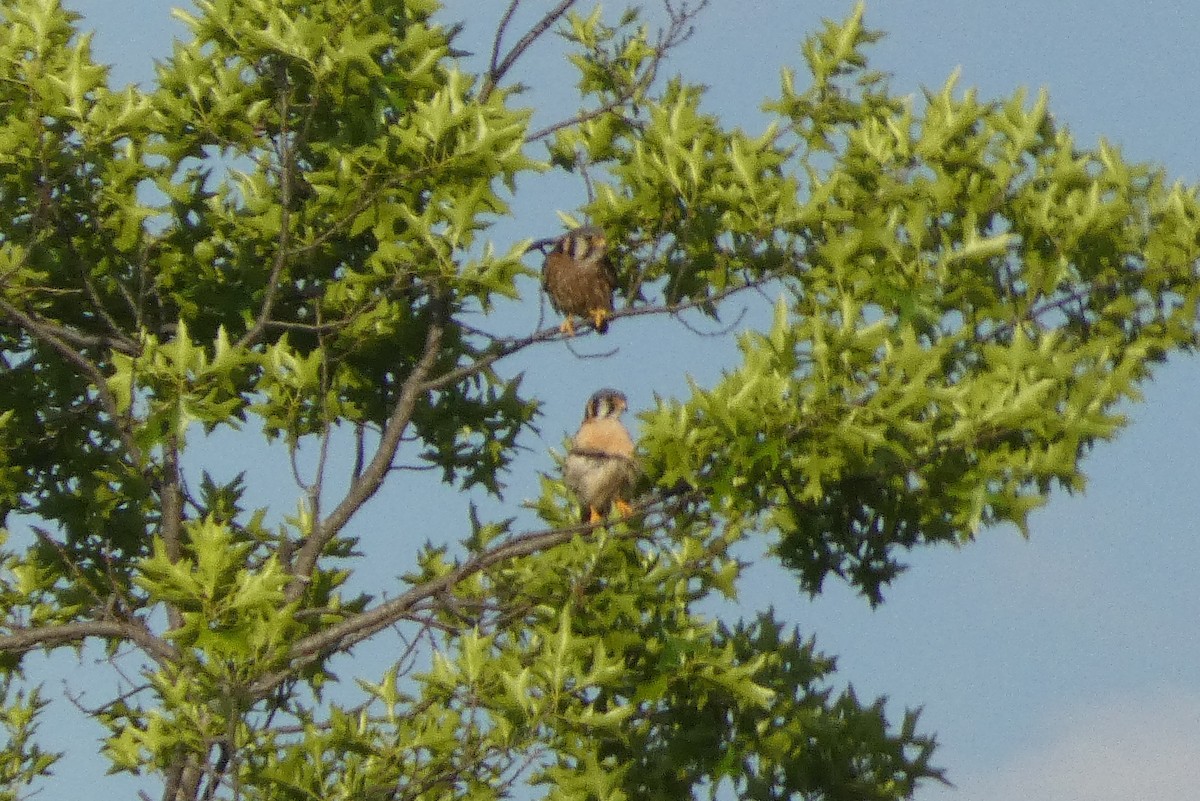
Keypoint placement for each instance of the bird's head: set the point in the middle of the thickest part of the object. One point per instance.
(605, 403)
(587, 241)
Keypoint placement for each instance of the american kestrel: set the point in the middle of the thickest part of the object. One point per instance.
(580, 278)
(600, 467)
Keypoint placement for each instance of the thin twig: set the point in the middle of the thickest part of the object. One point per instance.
(72, 565)
(497, 72)
(720, 332)
(505, 18)
(604, 354)
(76, 699)
(678, 32)
(118, 333)
(283, 245)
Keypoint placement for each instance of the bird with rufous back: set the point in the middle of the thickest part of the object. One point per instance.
(580, 279)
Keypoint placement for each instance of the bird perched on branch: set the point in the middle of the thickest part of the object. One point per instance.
(580, 279)
(600, 467)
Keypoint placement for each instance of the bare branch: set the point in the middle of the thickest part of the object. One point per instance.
(604, 354)
(503, 348)
(172, 500)
(500, 28)
(76, 699)
(69, 562)
(367, 484)
(583, 116)
(23, 640)
(360, 431)
(264, 313)
(724, 330)
(496, 72)
(294, 463)
(118, 333)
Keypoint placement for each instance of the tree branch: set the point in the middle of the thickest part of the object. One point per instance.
(70, 335)
(286, 166)
(118, 333)
(23, 640)
(368, 483)
(583, 116)
(49, 334)
(678, 31)
(344, 635)
(496, 72)
(502, 348)
(264, 313)
(318, 485)
(500, 29)
(170, 496)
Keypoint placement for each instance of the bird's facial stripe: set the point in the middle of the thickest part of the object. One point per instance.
(607, 406)
(579, 247)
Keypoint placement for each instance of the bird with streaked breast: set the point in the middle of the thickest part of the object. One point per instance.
(580, 279)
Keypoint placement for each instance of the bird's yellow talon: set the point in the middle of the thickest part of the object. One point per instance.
(599, 316)
(623, 508)
(567, 327)
(594, 515)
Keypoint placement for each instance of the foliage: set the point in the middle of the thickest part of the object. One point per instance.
(288, 231)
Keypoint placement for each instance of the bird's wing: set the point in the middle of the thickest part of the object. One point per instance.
(609, 270)
(546, 268)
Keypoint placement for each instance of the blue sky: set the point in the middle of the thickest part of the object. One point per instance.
(1063, 668)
